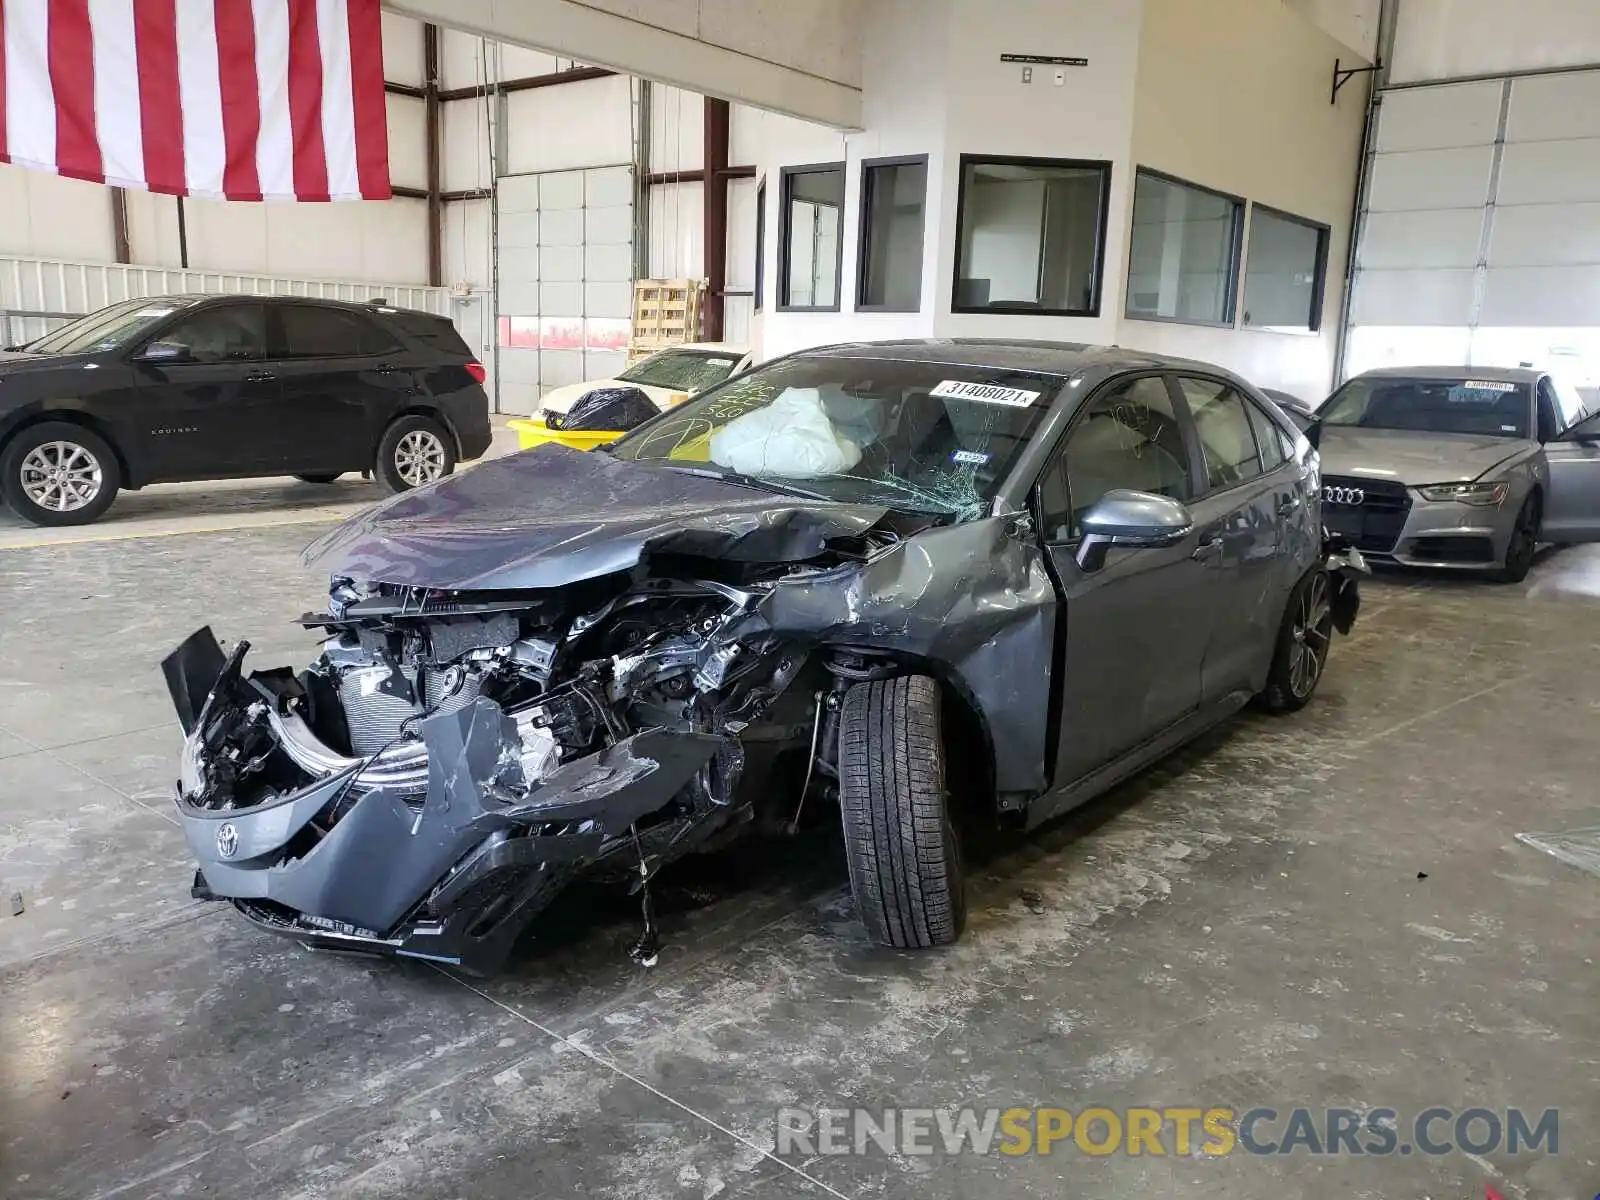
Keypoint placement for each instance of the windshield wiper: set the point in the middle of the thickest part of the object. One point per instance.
(739, 479)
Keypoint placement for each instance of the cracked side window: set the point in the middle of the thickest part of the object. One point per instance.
(1128, 437)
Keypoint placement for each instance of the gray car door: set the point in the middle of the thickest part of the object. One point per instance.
(1241, 524)
(1130, 651)
(1572, 509)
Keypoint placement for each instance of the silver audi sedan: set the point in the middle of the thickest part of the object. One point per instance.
(1459, 467)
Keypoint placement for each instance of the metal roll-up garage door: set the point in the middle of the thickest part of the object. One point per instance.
(565, 280)
(1480, 235)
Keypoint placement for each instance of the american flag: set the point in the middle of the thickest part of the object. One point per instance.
(235, 99)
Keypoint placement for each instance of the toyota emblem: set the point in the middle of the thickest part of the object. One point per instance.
(227, 840)
(1344, 495)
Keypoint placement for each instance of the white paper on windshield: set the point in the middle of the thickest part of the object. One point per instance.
(956, 389)
(1485, 385)
(969, 458)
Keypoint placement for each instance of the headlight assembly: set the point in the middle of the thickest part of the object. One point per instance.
(1486, 495)
(191, 771)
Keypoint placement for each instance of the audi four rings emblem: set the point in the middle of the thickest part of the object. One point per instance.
(1344, 495)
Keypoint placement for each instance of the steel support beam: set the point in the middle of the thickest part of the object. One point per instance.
(119, 225)
(431, 126)
(715, 210)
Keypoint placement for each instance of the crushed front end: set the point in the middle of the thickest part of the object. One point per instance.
(452, 759)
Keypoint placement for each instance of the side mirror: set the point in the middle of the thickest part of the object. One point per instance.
(1127, 518)
(166, 352)
(1313, 434)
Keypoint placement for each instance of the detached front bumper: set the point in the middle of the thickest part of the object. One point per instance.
(453, 875)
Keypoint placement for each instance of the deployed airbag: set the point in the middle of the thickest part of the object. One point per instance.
(791, 438)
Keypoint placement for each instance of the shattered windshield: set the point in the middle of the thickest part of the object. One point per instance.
(681, 370)
(924, 437)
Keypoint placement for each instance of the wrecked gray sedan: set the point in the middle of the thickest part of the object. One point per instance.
(923, 582)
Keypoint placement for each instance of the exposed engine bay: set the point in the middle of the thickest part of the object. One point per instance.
(492, 744)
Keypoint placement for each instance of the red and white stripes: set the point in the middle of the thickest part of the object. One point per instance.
(237, 99)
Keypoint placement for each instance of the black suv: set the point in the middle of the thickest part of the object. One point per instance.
(175, 388)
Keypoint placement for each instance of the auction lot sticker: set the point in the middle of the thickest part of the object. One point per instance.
(955, 389)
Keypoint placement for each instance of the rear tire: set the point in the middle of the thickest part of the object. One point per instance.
(900, 841)
(1524, 542)
(59, 473)
(414, 452)
(1304, 638)
(319, 478)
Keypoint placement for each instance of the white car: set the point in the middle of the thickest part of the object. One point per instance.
(668, 377)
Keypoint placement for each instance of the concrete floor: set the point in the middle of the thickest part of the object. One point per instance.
(1244, 926)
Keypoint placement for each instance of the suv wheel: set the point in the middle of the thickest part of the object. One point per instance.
(904, 856)
(414, 452)
(1302, 649)
(58, 473)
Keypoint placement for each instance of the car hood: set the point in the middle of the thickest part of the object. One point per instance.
(552, 516)
(1413, 458)
(563, 398)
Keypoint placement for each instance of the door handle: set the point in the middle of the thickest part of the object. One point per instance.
(1210, 546)
(1288, 506)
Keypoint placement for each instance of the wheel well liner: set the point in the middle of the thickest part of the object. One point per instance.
(73, 416)
(421, 410)
(967, 729)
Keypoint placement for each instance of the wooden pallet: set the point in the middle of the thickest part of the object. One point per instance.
(666, 312)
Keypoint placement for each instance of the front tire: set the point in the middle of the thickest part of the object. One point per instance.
(59, 473)
(900, 841)
(414, 452)
(1301, 654)
(1524, 542)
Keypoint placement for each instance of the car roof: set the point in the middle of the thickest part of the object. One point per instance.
(709, 348)
(1493, 374)
(1058, 358)
(377, 304)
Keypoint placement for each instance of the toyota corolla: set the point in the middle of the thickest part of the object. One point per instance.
(902, 582)
(1459, 467)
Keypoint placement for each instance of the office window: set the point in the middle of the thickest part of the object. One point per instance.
(1222, 420)
(1031, 236)
(1183, 261)
(894, 197)
(761, 245)
(1284, 275)
(810, 249)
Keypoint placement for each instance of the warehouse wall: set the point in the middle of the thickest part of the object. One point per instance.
(799, 57)
(1267, 134)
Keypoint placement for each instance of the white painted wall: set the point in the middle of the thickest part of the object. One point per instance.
(1352, 22)
(1447, 39)
(50, 217)
(588, 124)
(1263, 130)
